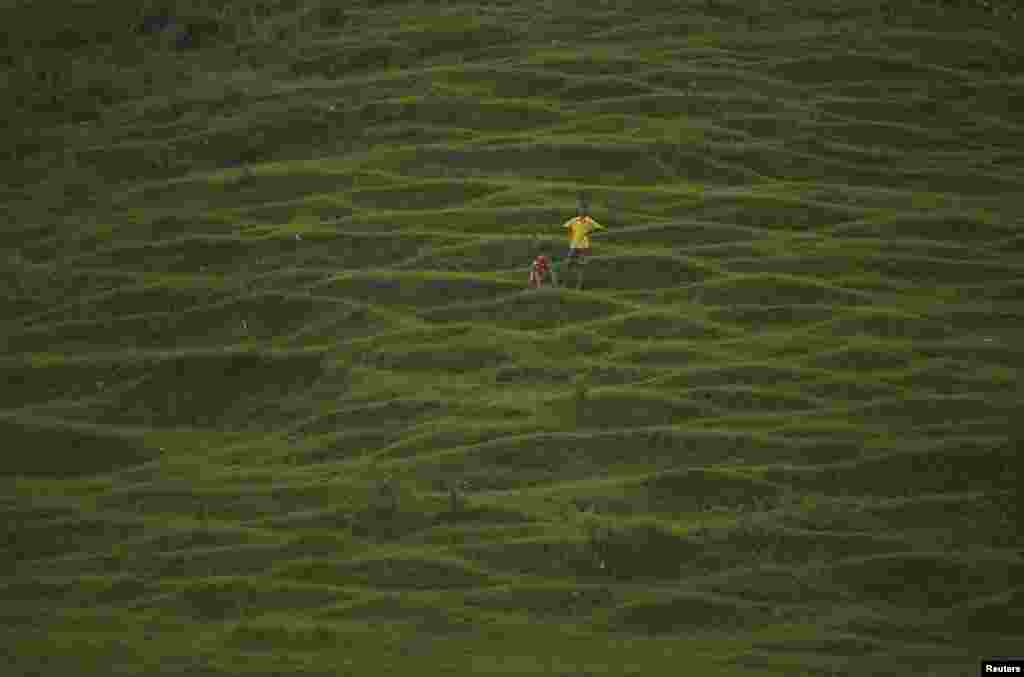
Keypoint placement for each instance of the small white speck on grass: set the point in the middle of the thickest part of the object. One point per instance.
(987, 340)
(297, 236)
(245, 325)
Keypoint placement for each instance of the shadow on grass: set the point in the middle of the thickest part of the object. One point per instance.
(208, 388)
(65, 451)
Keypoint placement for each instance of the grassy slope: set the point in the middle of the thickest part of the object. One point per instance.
(246, 286)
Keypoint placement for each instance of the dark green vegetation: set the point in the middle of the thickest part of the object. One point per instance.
(276, 398)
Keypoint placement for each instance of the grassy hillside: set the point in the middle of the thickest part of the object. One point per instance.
(279, 401)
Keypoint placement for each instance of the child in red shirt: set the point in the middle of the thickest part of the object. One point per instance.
(540, 271)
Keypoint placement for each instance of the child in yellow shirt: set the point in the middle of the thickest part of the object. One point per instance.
(580, 227)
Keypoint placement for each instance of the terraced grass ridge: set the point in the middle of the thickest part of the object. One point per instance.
(277, 399)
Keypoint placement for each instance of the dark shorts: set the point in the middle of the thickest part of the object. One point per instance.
(575, 252)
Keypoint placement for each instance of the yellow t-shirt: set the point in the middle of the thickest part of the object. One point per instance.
(580, 228)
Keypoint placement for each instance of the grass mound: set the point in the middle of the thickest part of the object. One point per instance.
(36, 383)
(986, 519)
(639, 272)
(925, 580)
(239, 504)
(954, 228)
(665, 354)
(615, 408)
(234, 190)
(776, 290)
(219, 600)
(690, 613)
(946, 467)
(211, 387)
(65, 451)
(138, 301)
(465, 113)
(627, 553)
(619, 164)
(356, 250)
(934, 409)
(403, 572)
(452, 358)
(343, 446)
(847, 647)
(643, 325)
(937, 271)
(780, 584)
(504, 83)
(374, 415)
(401, 609)
(536, 459)
(421, 195)
(527, 310)
(688, 234)
(775, 213)
(338, 324)
(738, 374)
(86, 591)
(772, 313)
(891, 135)
(864, 358)
(1000, 615)
(535, 376)
(548, 600)
(477, 256)
(415, 289)
(31, 544)
(889, 325)
(703, 488)
(192, 254)
(752, 541)
(595, 89)
(740, 398)
(260, 316)
(257, 635)
(129, 333)
(852, 67)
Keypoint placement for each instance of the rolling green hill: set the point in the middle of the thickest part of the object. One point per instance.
(278, 400)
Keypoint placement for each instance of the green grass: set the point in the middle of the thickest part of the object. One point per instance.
(278, 400)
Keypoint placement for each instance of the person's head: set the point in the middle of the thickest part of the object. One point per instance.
(581, 205)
